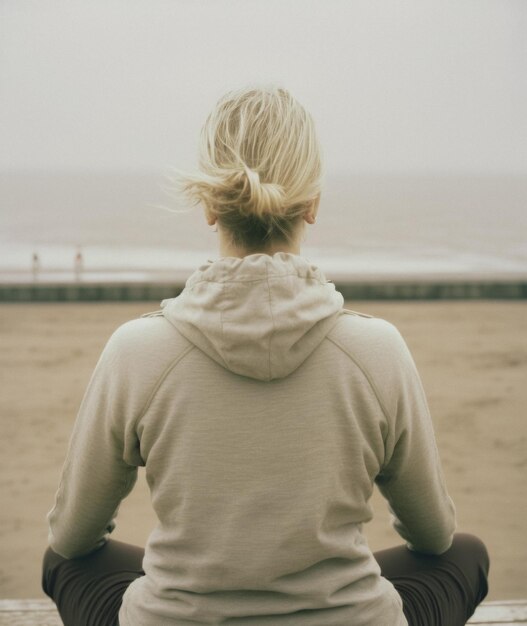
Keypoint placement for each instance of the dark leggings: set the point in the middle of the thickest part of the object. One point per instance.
(439, 590)
(436, 590)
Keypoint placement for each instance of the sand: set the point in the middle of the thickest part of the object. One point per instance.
(472, 357)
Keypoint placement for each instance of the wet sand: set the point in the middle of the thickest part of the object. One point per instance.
(472, 357)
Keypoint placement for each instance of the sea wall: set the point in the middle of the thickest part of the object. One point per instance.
(396, 290)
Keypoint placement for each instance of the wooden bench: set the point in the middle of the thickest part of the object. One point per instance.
(28, 613)
(43, 613)
(501, 613)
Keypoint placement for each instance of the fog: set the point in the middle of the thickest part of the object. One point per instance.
(394, 86)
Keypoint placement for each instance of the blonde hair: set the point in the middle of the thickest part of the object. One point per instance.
(260, 165)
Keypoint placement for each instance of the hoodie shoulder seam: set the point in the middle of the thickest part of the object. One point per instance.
(365, 374)
(161, 379)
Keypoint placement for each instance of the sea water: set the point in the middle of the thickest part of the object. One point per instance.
(125, 226)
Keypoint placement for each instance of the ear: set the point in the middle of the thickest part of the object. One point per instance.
(211, 219)
(310, 215)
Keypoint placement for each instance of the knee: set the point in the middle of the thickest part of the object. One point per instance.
(472, 548)
(472, 558)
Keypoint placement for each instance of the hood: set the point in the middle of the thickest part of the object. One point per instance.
(259, 316)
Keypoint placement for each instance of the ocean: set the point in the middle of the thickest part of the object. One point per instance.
(369, 227)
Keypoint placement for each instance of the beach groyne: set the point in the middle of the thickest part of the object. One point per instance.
(377, 290)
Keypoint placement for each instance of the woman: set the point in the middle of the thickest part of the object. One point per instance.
(264, 414)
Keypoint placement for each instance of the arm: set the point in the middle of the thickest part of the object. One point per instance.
(411, 478)
(102, 458)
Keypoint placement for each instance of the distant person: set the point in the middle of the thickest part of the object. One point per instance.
(264, 414)
(78, 265)
(35, 266)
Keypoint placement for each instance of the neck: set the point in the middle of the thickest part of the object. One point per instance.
(228, 249)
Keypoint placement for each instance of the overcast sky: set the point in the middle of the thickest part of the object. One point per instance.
(402, 86)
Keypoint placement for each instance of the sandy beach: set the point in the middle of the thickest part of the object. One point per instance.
(472, 357)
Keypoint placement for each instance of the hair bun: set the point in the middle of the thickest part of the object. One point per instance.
(251, 195)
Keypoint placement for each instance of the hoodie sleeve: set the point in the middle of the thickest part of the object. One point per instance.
(411, 478)
(101, 463)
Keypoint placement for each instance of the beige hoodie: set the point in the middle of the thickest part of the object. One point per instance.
(264, 414)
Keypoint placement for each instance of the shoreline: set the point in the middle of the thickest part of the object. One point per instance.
(371, 273)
